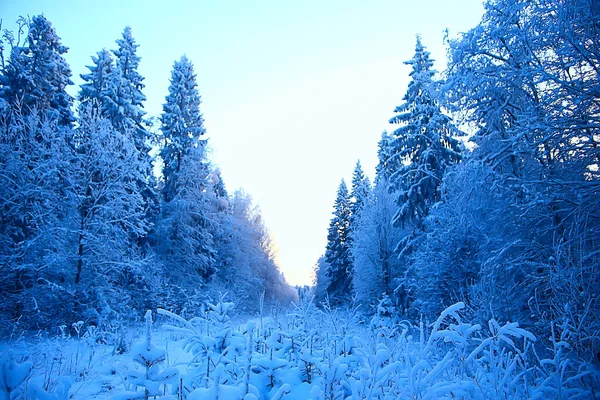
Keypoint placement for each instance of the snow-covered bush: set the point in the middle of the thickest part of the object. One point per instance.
(154, 377)
(13, 375)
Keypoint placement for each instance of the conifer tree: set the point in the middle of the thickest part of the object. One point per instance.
(182, 124)
(96, 84)
(361, 188)
(37, 74)
(123, 95)
(123, 100)
(185, 222)
(424, 144)
(387, 164)
(337, 253)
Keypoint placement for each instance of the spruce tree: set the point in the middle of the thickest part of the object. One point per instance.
(122, 103)
(185, 223)
(96, 83)
(424, 144)
(359, 194)
(123, 93)
(37, 74)
(337, 253)
(387, 164)
(182, 124)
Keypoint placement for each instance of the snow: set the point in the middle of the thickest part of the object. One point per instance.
(306, 354)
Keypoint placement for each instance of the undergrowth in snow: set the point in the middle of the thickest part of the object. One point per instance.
(309, 353)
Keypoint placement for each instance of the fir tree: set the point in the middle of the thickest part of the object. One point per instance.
(122, 103)
(337, 253)
(424, 144)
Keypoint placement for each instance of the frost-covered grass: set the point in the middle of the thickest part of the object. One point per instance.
(306, 354)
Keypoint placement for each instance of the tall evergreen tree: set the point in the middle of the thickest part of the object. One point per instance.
(122, 103)
(37, 74)
(337, 253)
(359, 194)
(123, 95)
(387, 164)
(185, 225)
(182, 124)
(424, 144)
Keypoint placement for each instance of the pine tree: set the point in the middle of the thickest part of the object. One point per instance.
(37, 75)
(337, 253)
(424, 144)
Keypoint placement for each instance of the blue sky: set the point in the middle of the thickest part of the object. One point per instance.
(294, 92)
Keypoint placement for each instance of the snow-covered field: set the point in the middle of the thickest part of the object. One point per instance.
(306, 354)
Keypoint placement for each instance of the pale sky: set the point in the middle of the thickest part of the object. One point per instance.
(293, 92)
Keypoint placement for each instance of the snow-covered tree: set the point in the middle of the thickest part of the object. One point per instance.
(359, 193)
(185, 223)
(524, 77)
(255, 270)
(321, 280)
(182, 124)
(96, 84)
(387, 164)
(110, 212)
(424, 143)
(36, 76)
(337, 253)
(377, 268)
(122, 104)
(185, 226)
(123, 93)
(36, 206)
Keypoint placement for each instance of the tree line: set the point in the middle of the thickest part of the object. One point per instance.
(507, 222)
(87, 230)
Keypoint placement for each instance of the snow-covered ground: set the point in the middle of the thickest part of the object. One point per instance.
(306, 354)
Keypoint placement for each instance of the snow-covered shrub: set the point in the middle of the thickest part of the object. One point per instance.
(217, 350)
(151, 358)
(13, 375)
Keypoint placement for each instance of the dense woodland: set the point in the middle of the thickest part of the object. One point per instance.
(488, 186)
(88, 231)
(487, 190)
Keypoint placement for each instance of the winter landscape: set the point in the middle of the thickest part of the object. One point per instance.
(466, 266)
